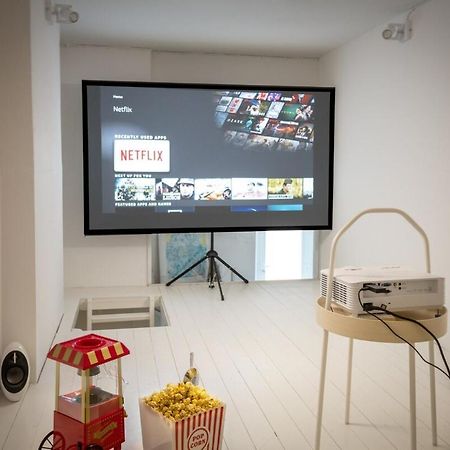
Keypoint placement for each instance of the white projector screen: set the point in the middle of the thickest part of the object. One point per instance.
(162, 157)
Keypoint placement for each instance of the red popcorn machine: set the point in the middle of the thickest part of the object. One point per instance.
(90, 418)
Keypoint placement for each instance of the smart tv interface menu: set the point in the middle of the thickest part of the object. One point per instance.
(169, 157)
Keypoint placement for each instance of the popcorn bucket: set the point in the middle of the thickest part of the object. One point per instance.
(202, 431)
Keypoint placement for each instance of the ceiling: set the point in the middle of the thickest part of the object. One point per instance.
(289, 28)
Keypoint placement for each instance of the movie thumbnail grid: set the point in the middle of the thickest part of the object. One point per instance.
(266, 120)
(168, 189)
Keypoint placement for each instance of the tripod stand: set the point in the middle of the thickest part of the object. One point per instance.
(213, 273)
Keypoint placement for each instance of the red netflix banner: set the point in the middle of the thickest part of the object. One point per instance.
(132, 155)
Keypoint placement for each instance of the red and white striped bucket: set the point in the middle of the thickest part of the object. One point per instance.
(203, 431)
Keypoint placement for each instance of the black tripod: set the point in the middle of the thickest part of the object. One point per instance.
(213, 273)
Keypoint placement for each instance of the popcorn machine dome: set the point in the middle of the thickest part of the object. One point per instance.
(90, 417)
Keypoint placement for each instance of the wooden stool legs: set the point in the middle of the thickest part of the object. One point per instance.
(323, 369)
(412, 398)
(433, 393)
(412, 391)
(349, 381)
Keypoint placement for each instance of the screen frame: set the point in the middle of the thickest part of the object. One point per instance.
(88, 231)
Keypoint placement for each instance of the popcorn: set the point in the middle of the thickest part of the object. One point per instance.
(178, 401)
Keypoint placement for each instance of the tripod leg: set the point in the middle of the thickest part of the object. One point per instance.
(234, 271)
(186, 271)
(210, 272)
(218, 278)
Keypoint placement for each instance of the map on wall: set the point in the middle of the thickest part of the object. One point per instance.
(178, 251)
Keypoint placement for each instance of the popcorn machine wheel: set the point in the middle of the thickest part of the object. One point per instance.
(55, 440)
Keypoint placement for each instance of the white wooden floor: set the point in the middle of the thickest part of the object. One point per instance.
(259, 352)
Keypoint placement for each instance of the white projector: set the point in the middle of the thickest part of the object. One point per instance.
(404, 288)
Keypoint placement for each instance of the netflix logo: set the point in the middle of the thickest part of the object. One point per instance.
(141, 155)
(132, 155)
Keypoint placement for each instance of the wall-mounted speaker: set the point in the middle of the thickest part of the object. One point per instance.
(15, 372)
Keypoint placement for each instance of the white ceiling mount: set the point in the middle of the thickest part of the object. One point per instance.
(60, 13)
(397, 31)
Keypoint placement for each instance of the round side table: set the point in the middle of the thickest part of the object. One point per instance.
(367, 328)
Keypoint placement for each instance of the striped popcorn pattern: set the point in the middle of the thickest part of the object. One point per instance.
(88, 351)
(203, 431)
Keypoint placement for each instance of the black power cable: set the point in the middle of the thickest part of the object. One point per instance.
(369, 307)
(441, 351)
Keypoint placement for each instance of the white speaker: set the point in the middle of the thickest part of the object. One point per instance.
(15, 372)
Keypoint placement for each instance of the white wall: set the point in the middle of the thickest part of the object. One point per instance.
(1, 269)
(103, 260)
(30, 161)
(211, 68)
(46, 109)
(16, 165)
(114, 261)
(392, 142)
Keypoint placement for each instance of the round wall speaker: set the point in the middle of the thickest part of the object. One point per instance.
(15, 372)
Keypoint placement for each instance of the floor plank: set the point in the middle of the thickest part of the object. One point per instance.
(259, 352)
